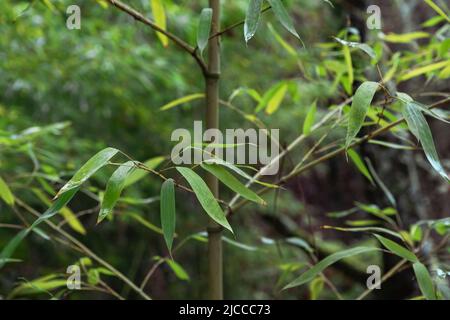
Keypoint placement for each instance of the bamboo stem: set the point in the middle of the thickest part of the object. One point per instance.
(215, 272)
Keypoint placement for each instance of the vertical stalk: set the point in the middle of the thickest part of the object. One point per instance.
(215, 264)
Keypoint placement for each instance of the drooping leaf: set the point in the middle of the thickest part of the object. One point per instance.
(178, 270)
(114, 188)
(159, 15)
(423, 70)
(88, 169)
(275, 100)
(182, 100)
(168, 211)
(12, 245)
(425, 282)
(252, 18)
(68, 214)
(316, 287)
(348, 84)
(361, 46)
(205, 197)
(419, 127)
(5, 193)
(323, 264)
(361, 103)
(354, 156)
(283, 16)
(380, 183)
(309, 120)
(231, 182)
(286, 46)
(397, 249)
(137, 175)
(204, 28)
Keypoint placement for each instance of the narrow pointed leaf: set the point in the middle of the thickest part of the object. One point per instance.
(354, 156)
(231, 182)
(205, 197)
(168, 211)
(177, 102)
(283, 16)
(12, 245)
(309, 120)
(204, 28)
(178, 270)
(360, 105)
(361, 46)
(419, 127)
(88, 169)
(275, 101)
(397, 249)
(425, 282)
(114, 188)
(323, 264)
(252, 19)
(159, 15)
(5, 193)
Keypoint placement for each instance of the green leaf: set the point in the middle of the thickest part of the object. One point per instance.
(397, 249)
(88, 169)
(159, 15)
(231, 182)
(361, 46)
(138, 174)
(424, 280)
(204, 28)
(205, 197)
(404, 38)
(309, 120)
(360, 105)
(380, 183)
(178, 270)
(5, 193)
(252, 19)
(366, 229)
(316, 287)
(114, 188)
(422, 70)
(12, 245)
(275, 100)
(436, 8)
(323, 264)
(282, 16)
(348, 85)
(419, 127)
(185, 99)
(354, 156)
(168, 211)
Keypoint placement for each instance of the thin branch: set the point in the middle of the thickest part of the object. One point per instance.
(179, 42)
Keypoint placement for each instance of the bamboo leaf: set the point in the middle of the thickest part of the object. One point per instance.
(182, 100)
(178, 270)
(366, 229)
(397, 249)
(323, 264)
(204, 28)
(360, 105)
(252, 19)
(114, 188)
(419, 127)
(205, 197)
(283, 16)
(275, 100)
(88, 169)
(422, 70)
(424, 280)
(168, 211)
(405, 37)
(12, 245)
(361, 46)
(350, 72)
(354, 156)
(5, 193)
(159, 15)
(309, 120)
(231, 182)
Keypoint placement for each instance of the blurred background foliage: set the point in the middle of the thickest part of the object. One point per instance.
(65, 94)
